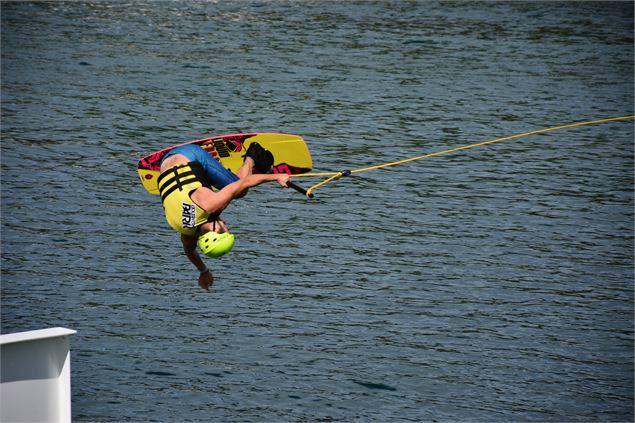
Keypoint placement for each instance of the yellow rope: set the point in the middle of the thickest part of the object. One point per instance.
(310, 190)
(335, 175)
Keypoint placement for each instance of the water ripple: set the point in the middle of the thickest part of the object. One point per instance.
(495, 284)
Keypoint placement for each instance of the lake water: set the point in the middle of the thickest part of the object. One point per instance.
(493, 284)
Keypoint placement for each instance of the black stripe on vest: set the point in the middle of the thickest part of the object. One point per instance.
(196, 174)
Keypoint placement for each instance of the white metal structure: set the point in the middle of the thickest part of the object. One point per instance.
(35, 376)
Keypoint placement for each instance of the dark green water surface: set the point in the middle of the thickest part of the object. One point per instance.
(493, 284)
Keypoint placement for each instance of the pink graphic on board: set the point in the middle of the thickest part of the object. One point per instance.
(217, 147)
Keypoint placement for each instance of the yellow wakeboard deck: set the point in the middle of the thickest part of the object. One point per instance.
(290, 154)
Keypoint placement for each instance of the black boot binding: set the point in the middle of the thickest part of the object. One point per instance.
(263, 159)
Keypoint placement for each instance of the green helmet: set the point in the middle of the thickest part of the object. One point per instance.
(213, 244)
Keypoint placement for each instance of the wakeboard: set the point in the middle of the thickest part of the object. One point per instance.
(290, 153)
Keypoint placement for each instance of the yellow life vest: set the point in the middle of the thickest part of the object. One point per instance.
(175, 186)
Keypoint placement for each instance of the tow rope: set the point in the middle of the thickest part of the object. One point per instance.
(334, 175)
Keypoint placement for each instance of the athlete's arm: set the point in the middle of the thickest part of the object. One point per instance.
(206, 279)
(214, 202)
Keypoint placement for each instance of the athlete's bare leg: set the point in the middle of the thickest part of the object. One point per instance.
(246, 169)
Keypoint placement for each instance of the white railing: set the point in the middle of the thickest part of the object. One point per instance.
(35, 376)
